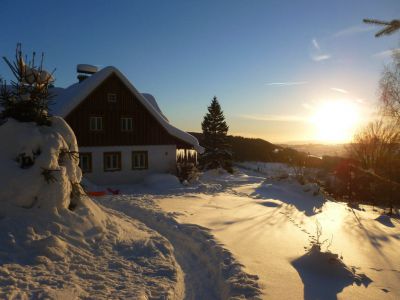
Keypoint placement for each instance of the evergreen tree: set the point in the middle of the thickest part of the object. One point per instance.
(217, 149)
(28, 97)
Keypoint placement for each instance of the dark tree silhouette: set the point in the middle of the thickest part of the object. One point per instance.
(390, 27)
(217, 150)
(375, 148)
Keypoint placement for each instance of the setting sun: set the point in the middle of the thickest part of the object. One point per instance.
(335, 121)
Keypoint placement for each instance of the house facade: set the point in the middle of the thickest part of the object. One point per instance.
(122, 134)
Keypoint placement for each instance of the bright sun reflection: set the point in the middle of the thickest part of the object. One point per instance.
(335, 121)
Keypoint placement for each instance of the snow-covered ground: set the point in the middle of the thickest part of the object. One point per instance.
(210, 270)
(247, 235)
(268, 224)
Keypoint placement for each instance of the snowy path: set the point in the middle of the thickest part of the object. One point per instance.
(267, 226)
(210, 271)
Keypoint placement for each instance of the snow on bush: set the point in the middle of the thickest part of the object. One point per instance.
(39, 165)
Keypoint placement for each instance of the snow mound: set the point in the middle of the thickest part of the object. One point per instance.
(68, 257)
(324, 275)
(55, 242)
(162, 181)
(38, 165)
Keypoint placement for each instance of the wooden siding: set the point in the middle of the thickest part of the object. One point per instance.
(146, 129)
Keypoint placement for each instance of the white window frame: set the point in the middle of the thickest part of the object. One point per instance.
(126, 124)
(111, 97)
(140, 160)
(96, 123)
(112, 161)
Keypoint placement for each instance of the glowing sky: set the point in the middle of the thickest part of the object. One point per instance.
(276, 66)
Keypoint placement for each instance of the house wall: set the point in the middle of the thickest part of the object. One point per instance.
(161, 159)
(146, 129)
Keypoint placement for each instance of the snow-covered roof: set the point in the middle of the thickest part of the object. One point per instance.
(67, 99)
(153, 102)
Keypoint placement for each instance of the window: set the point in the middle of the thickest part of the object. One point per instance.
(126, 124)
(140, 160)
(96, 123)
(112, 161)
(85, 162)
(111, 97)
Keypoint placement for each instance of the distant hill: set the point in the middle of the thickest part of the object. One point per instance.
(252, 149)
(320, 149)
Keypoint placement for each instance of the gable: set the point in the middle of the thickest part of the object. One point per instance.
(72, 97)
(146, 129)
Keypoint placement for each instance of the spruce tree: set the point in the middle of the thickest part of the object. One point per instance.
(215, 141)
(28, 97)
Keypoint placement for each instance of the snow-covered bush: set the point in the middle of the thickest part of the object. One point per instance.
(35, 168)
(28, 98)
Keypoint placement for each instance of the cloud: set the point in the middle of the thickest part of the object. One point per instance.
(386, 53)
(316, 53)
(287, 83)
(339, 90)
(315, 44)
(354, 30)
(279, 118)
(321, 57)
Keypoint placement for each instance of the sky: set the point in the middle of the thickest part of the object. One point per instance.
(283, 71)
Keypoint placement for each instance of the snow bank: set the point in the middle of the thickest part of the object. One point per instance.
(55, 242)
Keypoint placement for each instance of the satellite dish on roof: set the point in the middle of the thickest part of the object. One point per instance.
(86, 69)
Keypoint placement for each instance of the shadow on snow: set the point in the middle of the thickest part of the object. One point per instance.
(324, 275)
(292, 195)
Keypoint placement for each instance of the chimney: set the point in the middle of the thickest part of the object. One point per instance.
(84, 71)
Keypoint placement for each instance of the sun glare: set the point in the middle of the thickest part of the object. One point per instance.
(335, 121)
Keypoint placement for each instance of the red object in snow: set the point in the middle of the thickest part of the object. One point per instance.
(97, 194)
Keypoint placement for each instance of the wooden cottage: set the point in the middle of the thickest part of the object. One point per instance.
(122, 134)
